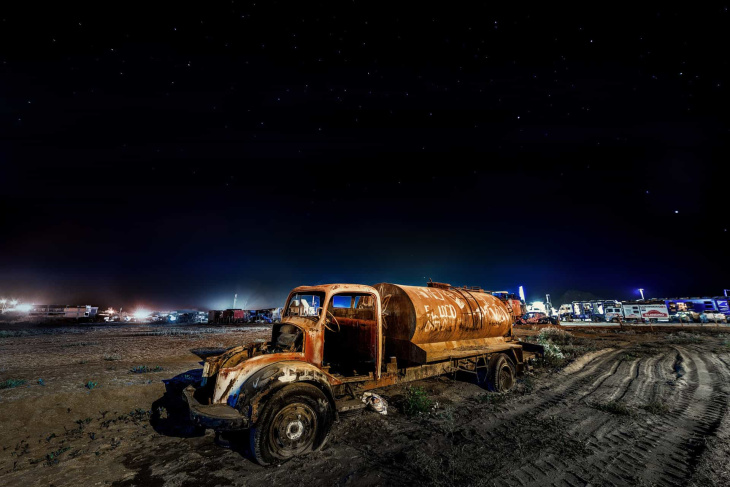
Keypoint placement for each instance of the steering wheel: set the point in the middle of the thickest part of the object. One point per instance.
(335, 320)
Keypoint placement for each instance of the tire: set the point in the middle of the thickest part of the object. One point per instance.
(295, 421)
(501, 374)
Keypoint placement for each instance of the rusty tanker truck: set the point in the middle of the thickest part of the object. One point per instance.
(334, 342)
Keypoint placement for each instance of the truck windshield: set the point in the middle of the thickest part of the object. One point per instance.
(305, 304)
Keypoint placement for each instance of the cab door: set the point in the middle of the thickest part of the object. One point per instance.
(351, 341)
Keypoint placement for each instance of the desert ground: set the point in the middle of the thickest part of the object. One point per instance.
(100, 405)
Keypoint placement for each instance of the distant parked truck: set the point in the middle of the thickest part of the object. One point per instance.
(515, 305)
(565, 312)
(614, 313)
(336, 341)
(693, 308)
(710, 316)
(645, 311)
(594, 310)
(227, 316)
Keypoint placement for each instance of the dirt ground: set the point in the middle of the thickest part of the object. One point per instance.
(624, 407)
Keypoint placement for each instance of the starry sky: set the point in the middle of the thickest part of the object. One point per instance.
(170, 155)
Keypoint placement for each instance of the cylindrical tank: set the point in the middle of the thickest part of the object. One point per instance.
(438, 314)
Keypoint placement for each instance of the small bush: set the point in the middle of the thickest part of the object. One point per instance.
(614, 407)
(551, 339)
(52, 458)
(555, 335)
(110, 358)
(416, 401)
(553, 356)
(656, 407)
(143, 369)
(11, 383)
(137, 415)
(90, 385)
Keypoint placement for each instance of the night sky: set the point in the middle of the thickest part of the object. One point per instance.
(171, 155)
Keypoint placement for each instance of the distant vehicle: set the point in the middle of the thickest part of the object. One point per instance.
(584, 310)
(684, 317)
(722, 305)
(538, 318)
(713, 317)
(594, 310)
(565, 312)
(613, 313)
(645, 311)
(516, 306)
(542, 307)
(684, 308)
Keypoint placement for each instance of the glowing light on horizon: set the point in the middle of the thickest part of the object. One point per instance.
(142, 314)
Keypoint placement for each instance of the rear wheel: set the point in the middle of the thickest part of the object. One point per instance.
(295, 421)
(501, 374)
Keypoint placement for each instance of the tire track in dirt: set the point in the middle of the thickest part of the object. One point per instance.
(661, 454)
(552, 468)
(649, 448)
(710, 417)
(503, 423)
(626, 450)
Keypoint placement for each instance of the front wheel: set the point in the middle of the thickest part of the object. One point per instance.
(295, 421)
(500, 374)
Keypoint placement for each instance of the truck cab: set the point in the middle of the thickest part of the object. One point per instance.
(328, 335)
(565, 312)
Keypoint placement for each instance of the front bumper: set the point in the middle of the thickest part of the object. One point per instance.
(219, 417)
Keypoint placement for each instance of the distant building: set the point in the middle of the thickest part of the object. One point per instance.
(63, 311)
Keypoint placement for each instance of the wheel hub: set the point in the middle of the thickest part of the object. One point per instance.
(294, 430)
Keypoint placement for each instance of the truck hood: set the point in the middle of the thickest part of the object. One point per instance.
(234, 358)
(230, 358)
(231, 369)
